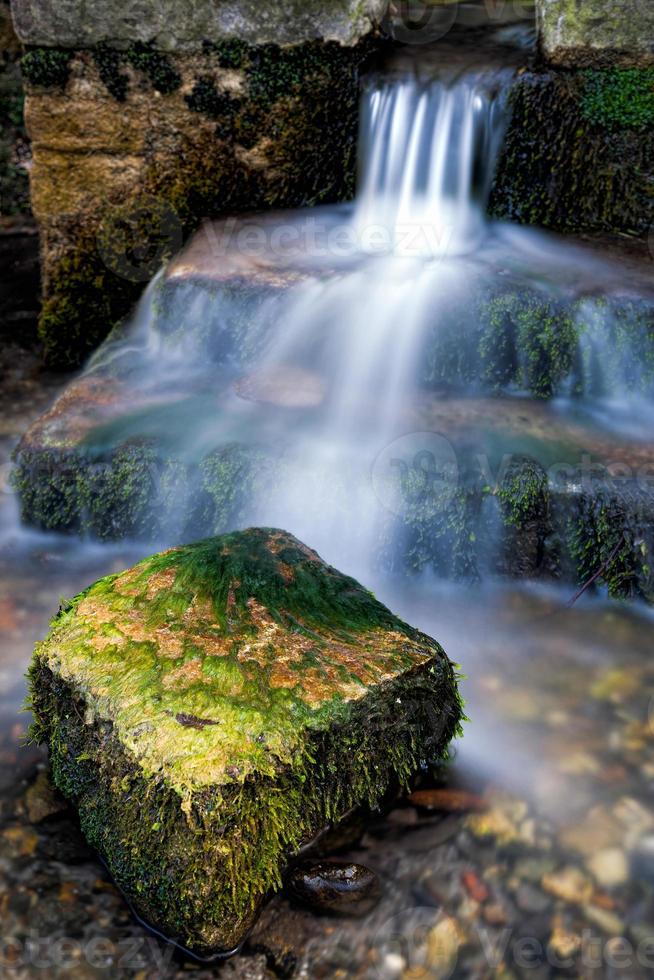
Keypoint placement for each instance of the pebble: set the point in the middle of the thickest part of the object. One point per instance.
(599, 829)
(643, 858)
(18, 842)
(608, 922)
(569, 884)
(533, 869)
(393, 965)
(564, 944)
(532, 900)
(443, 943)
(335, 888)
(42, 800)
(495, 914)
(474, 886)
(609, 867)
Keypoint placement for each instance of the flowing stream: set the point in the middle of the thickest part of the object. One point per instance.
(328, 374)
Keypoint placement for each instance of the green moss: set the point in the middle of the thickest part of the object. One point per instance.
(619, 98)
(64, 490)
(85, 301)
(559, 170)
(523, 492)
(109, 62)
(156, 66)
(538, 337)
(206, 99)
(232, 53)
(611, 533)
(312, 699)
(47, 67)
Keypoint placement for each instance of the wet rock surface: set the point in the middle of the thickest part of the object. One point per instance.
(557, 761)
(596, 33)
(334, 888)
(38, 23)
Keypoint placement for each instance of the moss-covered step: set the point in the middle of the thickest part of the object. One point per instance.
(212, 709)
(579, 151)
(537, 491)
(231, 127)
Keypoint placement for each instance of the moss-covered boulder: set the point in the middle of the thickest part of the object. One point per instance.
(213, 708)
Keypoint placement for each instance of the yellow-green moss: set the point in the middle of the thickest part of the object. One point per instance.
(213, 708)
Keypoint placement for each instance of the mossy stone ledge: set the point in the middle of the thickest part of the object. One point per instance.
(210, 710)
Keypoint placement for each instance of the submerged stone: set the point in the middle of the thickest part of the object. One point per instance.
(210, 710)
(335, 888)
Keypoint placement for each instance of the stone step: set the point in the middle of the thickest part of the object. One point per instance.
(478, 486)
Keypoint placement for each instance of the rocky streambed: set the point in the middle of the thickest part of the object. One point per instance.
(528, 855)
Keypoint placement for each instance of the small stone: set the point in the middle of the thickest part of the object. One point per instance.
(643, 858)
(443, 944)
(334, 888)
(532, 900)
(502, 820)
(43, 800)
(608, 922)
(563, 943)
(495, 914)
(533, 869)
(616, 685)
(474, 886)
(404, 817)
(393, 965)
(18, 842)
(570, 885)
(609, 867)
(599, 829)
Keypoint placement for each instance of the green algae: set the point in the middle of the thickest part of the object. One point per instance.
(619, 98)
(47, 67)
(576, 157)
(213, 708)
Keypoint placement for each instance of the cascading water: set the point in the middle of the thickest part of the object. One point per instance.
(314, 341)
(318, 380)
(428, 158)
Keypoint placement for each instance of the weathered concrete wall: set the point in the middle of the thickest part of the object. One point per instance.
(147, 116)
(597, 32)
(172, 25)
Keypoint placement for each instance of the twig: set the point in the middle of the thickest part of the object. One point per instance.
(600, 571)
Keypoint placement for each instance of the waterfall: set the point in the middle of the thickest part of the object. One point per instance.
(319, 380)
(428, 157)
